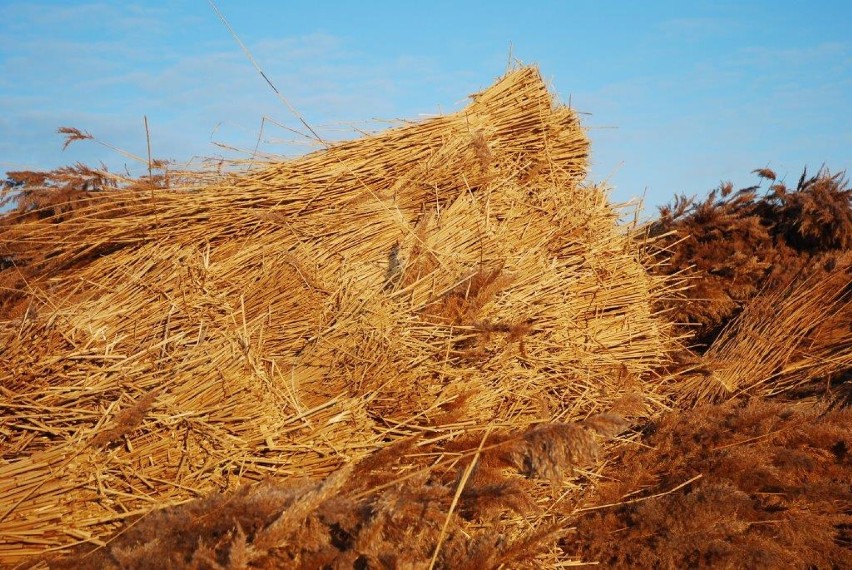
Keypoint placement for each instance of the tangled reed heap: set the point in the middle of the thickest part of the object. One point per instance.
(448, 283)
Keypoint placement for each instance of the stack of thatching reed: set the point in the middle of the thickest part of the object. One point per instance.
(449, 284)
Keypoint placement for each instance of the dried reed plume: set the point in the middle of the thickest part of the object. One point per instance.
(386, 511)
(765, 172)
(72, 134)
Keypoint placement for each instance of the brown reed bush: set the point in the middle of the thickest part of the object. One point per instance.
(768, 293)
(734, 245)
(769, 489)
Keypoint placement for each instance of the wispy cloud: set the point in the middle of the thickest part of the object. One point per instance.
(106, 84)
(25, 18)
(698, 28)
(832, 53)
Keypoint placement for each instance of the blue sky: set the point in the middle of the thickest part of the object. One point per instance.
(677, 96)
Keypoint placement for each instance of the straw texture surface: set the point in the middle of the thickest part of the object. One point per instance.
(289, 320)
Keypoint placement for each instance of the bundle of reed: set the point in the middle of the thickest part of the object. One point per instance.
(283, 322)
(791, 338)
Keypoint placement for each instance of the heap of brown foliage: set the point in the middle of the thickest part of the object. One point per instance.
(402, 507)
(734, 245)
(748, 482)
(772, 491)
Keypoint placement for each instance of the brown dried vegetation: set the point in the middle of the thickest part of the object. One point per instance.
(734, 246)
(761, 478)
(773, 491)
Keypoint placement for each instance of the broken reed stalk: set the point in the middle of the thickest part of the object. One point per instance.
(459, 489)
(148, 143)
(674, 489)
(265, 77)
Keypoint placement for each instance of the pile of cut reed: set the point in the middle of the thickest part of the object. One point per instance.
(286, 321)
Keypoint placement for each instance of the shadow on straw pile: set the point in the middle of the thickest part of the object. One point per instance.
(41, 199)
(773, 492)
(736, 244)
(398, 507)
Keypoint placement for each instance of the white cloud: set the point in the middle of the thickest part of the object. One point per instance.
(791, 56)
(698, 28)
